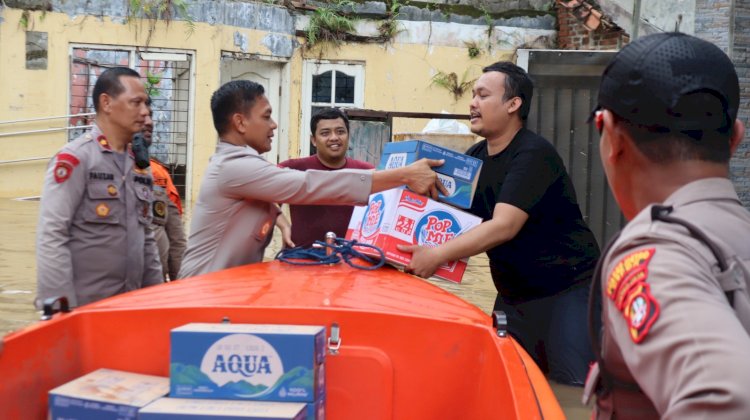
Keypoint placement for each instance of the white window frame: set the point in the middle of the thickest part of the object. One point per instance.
(312, 68)
(133, 50)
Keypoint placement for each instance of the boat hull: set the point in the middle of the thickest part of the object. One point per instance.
(409, 350)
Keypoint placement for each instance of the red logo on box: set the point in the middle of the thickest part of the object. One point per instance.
(404, 225)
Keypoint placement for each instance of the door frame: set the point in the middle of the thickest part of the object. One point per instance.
(282, 132)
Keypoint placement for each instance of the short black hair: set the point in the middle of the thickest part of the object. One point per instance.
(232, 98)
(109, 83)
(666, 145)
(328, 114)
(517, 83)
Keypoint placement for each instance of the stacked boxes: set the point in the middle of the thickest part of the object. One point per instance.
(105, 394)
(281, 363)
(218, 372)
(401, 217)
(180, 408)
(459, 174)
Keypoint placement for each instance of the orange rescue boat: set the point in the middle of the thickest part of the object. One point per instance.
(407, 349)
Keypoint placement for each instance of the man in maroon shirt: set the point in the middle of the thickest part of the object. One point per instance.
(330, 136)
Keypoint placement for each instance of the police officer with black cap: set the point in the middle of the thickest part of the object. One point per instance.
(675, 337)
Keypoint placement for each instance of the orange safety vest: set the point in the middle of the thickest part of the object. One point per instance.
(161, 178)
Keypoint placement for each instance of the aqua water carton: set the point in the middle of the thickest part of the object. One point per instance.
(402, 217)
(459, 174)
(316, 410)
(248, 362)
(105, 394)
(195, 409)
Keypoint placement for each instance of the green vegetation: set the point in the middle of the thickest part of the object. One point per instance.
(473, 49)
(334, 23)
(25, 21)
(155, 10)
(152, 80)
(389, 28)
(329, 24)
(450, 82)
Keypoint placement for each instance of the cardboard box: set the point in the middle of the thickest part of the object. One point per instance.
(457, 142)
(459, 174)
(105, 394)
(248, 362)
(399, 216)
(317, 409)
(181, 408)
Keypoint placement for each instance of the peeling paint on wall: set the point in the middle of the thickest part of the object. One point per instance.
(279, 45)
(116, 10)
(455, 34)
(249, 15)
(243, 15)
(240, 40)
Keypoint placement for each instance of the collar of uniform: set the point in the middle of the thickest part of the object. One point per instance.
(96, 135)
(224, 148)
(703, 190)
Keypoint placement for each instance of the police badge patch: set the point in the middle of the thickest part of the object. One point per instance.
(627, 288)
(160, 209)
(637, 260)
(641, 311)
(64, 165)
(102, 210)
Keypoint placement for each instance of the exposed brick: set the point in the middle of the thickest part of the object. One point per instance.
(572, 35)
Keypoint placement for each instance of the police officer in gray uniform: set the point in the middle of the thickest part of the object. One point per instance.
(236, 210)
(92, 237)
(675, 339)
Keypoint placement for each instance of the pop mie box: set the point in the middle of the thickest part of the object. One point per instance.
(194, 409)
(402, 217)
(247, 362)
(459, 174)
(105, 394)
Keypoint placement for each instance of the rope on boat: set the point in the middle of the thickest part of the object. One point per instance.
(322, 253)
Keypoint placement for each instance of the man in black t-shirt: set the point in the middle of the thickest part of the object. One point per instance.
(541, 252)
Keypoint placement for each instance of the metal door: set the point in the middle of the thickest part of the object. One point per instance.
(566, 86)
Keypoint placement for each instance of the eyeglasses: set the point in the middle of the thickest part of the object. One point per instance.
(599, 120)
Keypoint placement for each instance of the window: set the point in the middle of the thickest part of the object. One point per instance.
(36, 50)
(328, 85)
(166, 76)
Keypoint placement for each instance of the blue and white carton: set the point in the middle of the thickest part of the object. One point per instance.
(194, 409)
(316, 410)
(459, 174)
(248, 362)
(105, 394)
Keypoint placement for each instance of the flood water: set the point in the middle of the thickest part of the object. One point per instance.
(18, 221)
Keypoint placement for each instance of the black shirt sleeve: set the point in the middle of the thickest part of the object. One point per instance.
(531, 172)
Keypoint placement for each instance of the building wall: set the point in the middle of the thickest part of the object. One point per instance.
(725, 23)
(656, 15)
(26, 94)
(572, 35)
(397, 75)
(740, 52)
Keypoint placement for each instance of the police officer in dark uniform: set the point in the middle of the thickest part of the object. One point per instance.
(675, 341)
(93, 240)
